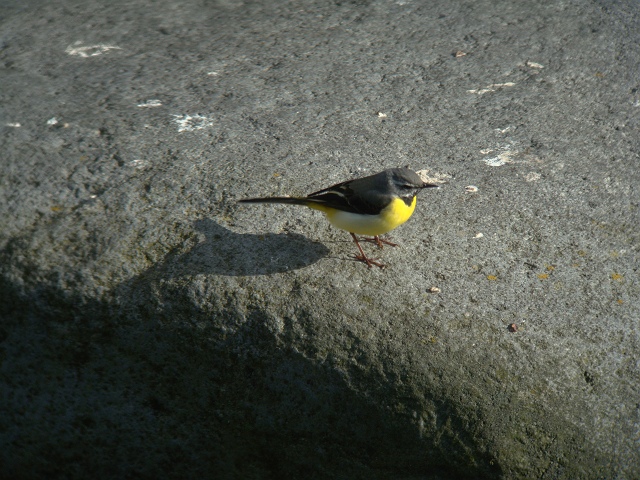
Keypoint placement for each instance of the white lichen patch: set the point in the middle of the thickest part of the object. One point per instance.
(150, 103)
(501, 159)
(189, 123)
(435, 178)
(78, 50)
(492, 88)
(138, 164)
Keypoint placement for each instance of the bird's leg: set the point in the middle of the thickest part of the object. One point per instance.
(362, 257)
(379, 241)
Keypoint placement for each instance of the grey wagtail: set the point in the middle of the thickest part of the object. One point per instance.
(370, 205)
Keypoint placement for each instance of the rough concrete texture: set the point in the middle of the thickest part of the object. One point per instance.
(154, 328)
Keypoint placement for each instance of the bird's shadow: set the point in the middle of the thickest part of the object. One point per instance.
(223, 252)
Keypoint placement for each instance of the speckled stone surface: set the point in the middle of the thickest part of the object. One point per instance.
(151, 327)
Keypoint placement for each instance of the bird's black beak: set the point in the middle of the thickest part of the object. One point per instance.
(430, 185)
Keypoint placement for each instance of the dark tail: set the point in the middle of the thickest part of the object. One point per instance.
(287, 200)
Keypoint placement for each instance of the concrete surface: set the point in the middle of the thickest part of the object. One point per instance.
(154, 328)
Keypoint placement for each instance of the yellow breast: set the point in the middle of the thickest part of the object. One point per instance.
(398, 212)
(394, 215)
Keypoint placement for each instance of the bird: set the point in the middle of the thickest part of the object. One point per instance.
(367, 206)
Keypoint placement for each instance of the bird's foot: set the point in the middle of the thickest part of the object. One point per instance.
(379, 241)
(363, 258)
(369, 261)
